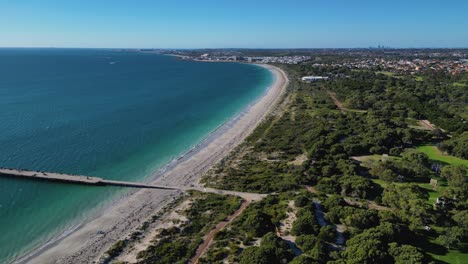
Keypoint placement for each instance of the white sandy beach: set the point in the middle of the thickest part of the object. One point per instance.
(87, 243)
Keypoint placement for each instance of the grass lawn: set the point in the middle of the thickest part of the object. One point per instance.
(368, 160)
(435, 154)
(441, 255)
(459, 84)
(452, 257)
(355, 110)
(432, 246)
(358, 70)
(464, 112)
(380, 182)
(388, 73)
(433, 194)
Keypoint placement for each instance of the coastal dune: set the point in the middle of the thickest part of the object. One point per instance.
(91, 239)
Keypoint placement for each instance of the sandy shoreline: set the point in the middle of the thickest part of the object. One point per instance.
(90, 240)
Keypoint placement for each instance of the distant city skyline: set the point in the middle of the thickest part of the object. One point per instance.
(234, 24)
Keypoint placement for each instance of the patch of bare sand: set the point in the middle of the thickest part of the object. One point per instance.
(175, 218)
(299, 160)
(286, 224)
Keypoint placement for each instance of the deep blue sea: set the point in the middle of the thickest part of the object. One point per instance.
(105, 113)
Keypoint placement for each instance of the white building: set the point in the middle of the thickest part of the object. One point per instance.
(313, 78)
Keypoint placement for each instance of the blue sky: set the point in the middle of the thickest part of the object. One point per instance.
(233, 23)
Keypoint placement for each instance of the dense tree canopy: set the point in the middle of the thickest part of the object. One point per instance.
(272, 250)
(323, 136)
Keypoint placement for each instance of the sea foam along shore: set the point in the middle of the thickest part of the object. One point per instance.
(90, 240)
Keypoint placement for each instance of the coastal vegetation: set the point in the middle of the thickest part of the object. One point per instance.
(177, 240)
(179, 243)
(256, 225)
(399, 199)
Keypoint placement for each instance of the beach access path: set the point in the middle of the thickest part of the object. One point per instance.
(89, 240)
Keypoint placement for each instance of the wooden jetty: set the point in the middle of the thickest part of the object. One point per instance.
(76, 179)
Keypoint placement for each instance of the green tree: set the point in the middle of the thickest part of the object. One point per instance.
(416, 157)
(394, 152)
(306, 242)
(303, 259)
(328, 185)
(355, 186)
(370, 246)
(453, 172)
(362, 219)
(320, 252)
(305, 224)
(301, 201)
(458, 187)
(388, 176)
(256, 255)
(367, 251)
(277, 246)
(377, 169)
(456, 181)
(405, 254)
(461, 218)
(451, 237)
(327, 233)
(272, 250)
(257, 223)
(457, 145)
(410, 200)
(333, 201)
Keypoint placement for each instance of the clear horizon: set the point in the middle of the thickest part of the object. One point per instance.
(227, 48)
(241, 24)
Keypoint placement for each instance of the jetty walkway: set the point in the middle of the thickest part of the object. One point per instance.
(76, 179)
(95, 181)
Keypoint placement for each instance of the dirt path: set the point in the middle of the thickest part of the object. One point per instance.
(286, 224)
(338, 104)
(369, 204)
(174, 218)
(244, 195)
(209, 238)
(311, 189)
(340, 107)
(426, 124)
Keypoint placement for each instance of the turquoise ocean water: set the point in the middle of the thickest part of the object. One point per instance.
(106, 113)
